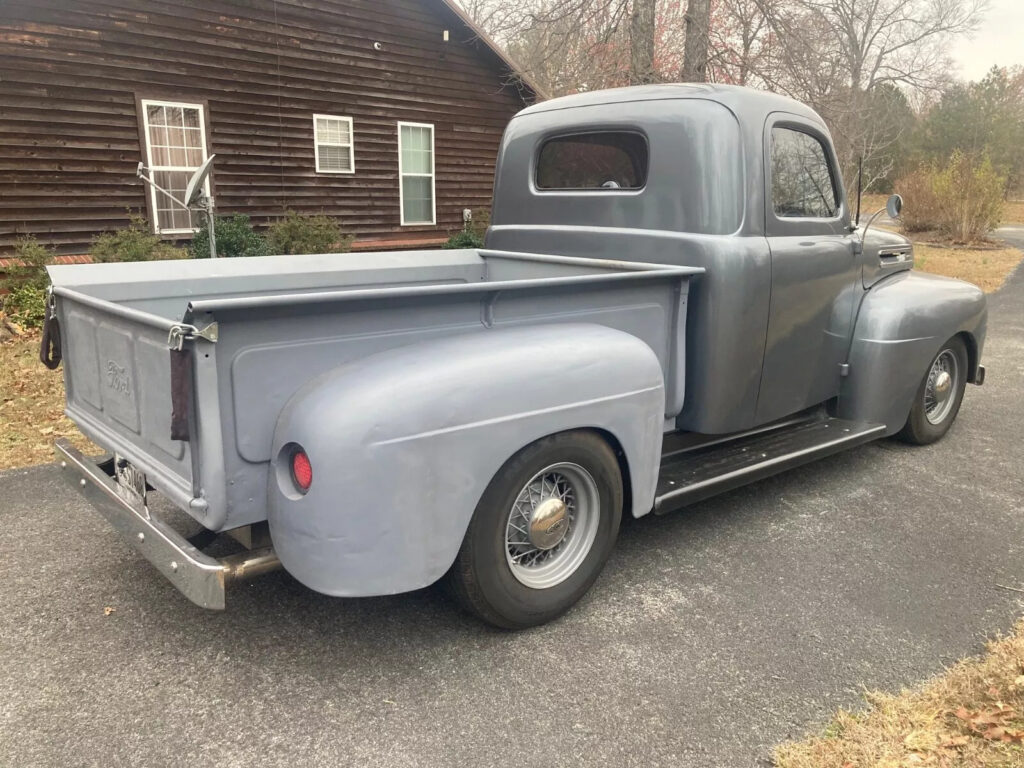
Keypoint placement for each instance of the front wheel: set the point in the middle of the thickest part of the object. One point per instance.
(938, 398)
(541, 533)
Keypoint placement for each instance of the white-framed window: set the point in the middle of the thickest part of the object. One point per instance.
(333, 144)
(416, 173)
(175, 135)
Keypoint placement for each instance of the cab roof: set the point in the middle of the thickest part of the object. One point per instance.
(746, 103)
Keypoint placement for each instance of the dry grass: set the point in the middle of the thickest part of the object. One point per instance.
(31, 407)
(987, 269)
(970, 717)
(1013, 212)
(868, 205)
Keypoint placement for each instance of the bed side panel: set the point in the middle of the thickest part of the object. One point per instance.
(266, 356)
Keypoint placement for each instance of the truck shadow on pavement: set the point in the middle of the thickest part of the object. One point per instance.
(661, 567)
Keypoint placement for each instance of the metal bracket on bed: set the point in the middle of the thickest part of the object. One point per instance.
(182, 332)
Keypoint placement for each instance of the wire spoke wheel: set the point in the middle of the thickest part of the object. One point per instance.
(939, 395)
(552, 525)
(941, 387)
(541, 532)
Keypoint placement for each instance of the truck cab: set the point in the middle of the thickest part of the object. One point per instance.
(746, 185)
(672, 301)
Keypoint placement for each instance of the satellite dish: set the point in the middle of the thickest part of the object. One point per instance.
(195, 185)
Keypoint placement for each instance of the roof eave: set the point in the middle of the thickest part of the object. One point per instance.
(496, 49)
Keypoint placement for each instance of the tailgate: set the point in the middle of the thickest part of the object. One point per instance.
(117, 376)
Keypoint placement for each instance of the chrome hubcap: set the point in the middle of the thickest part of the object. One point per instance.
(552, 525)
(549, 523)
(940, 389)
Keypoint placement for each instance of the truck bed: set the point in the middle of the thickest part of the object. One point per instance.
(260, 328)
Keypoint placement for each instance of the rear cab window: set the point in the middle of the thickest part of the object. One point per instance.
(597, 160)
(802, 184)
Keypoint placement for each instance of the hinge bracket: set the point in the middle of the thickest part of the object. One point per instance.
(210, 332)
(182, 332)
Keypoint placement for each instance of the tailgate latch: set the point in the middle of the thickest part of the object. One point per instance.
(182, 332)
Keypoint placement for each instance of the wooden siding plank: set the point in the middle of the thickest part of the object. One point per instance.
(71, 74)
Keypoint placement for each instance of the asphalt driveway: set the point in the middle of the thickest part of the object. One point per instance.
(713, 634)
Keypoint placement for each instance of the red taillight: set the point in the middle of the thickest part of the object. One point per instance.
(302, 470)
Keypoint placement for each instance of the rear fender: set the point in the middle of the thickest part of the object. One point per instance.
(404, 442)
(902, 323)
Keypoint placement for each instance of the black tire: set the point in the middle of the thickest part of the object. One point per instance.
(481, 579)
(919, 430)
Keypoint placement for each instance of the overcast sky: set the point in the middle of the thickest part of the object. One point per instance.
(998, 41)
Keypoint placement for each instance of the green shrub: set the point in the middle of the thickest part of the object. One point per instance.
(25, 285)
(467, 238)
(963, 200)
(25, 305)
(133, 243)
(33, 257)
(473, 232)
(481, 221)
(235, 237)
(970, 197)
(296, 233)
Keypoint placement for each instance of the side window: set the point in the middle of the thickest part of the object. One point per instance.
(802, 183)
(416, 173)
(605, 160)
(175, 145)
(332, 144)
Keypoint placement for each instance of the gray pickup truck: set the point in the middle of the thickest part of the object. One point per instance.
(672, 301)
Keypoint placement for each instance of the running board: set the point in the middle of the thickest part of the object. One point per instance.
(690, 476)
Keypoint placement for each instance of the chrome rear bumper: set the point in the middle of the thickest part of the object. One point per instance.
(201, 578)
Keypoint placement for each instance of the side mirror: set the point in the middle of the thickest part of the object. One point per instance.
(893, 206)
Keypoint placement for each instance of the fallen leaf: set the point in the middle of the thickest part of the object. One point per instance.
(108, 610)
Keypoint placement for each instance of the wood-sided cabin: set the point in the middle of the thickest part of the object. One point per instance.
(385, 114)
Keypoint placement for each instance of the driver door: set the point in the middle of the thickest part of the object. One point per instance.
(814, 268)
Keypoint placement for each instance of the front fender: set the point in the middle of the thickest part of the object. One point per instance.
(902, 323)
(404, 442)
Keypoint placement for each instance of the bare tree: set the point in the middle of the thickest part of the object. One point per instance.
(641, 42)
(835, 54)
(695, 55)
(839, 56)
(739, 44)
(573, 45)
(498, 18)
